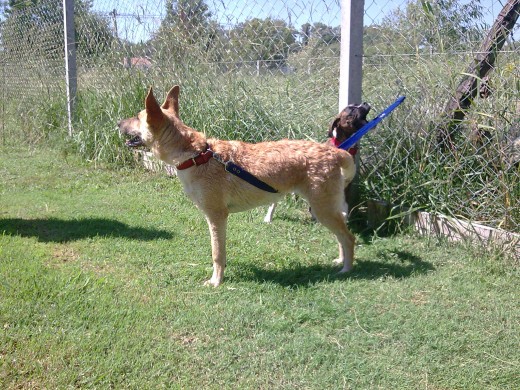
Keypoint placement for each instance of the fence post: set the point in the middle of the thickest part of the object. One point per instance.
(69, 40)
(4, 94)
(350, 70)
(351, 57)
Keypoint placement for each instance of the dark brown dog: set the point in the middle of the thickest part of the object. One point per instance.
(347, 122)
(315, 171)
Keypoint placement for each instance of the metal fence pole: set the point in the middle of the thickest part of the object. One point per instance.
(351, 57)
(3, 113)
(350, 71)
(70, 58)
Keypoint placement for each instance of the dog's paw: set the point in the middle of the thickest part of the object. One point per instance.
(212, 283)
(345, 269)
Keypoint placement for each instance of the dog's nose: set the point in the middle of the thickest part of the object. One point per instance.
(366, 106)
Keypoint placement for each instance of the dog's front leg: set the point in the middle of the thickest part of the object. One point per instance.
(217, 223)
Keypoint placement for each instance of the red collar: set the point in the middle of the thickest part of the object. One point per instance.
(201, 158)
(353, 150)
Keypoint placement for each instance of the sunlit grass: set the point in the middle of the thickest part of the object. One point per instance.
(101, 285)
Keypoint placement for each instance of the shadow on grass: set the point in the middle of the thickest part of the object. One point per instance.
(394, 264)
(60, 230)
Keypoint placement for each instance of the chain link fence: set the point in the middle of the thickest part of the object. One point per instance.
(268, 70)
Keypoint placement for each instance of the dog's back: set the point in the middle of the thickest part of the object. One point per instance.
(288, 164)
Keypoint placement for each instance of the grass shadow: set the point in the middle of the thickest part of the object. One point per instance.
(61, 230)
(394, 264)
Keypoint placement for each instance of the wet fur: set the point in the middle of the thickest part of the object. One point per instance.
(315, 171)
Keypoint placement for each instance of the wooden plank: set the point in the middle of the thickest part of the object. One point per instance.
(457, 230)
(442, 226)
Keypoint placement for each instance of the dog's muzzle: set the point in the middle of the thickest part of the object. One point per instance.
(134, 142)
(125, 128)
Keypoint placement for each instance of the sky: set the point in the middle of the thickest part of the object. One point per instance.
(138, 19)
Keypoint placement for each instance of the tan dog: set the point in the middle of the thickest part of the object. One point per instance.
(317, 172)
(347, 122)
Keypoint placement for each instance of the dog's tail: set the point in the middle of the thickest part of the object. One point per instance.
(348, 167)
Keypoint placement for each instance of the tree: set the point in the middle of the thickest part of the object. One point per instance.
(187, 29)
(35, 28)
(433, 25)
(262, 39)
(319, 44)
(321, 34)
(305, 34)
(93, 33)
(32, 28)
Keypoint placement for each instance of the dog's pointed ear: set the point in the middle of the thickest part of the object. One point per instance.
(171, 103)
(153, 110)
(154, 114)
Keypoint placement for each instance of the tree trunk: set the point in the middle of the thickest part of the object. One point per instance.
(468, 88)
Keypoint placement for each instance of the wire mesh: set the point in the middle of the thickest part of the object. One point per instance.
(266, 70)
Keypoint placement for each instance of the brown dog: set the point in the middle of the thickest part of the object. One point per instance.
(317, 172)
(347, 122)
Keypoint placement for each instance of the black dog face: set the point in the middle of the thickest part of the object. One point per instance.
(351, 119)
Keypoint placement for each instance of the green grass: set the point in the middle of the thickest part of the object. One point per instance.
(101, 275)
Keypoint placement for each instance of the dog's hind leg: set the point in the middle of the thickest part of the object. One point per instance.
(335, 222)
(217, 223)
(269, 216)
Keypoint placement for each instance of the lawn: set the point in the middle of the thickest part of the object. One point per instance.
(101, 286)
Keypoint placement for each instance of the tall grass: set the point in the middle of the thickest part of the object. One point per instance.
(400, 159)
(402, 162)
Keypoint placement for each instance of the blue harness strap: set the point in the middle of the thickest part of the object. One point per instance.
(354, 138)
(245, 175)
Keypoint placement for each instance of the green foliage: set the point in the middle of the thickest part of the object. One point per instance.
(35, 30)
(478, 178)
(436, 26)
(266, 40)
(186, 33)
(101, 276)
(94, 35)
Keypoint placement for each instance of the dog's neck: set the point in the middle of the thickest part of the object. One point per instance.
(178, 142)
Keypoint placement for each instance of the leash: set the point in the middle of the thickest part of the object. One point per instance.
(354, 138)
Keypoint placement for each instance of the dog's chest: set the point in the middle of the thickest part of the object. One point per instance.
(217, 190)
(187, 184)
